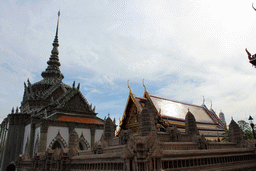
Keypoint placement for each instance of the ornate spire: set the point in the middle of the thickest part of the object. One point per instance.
(53, 70)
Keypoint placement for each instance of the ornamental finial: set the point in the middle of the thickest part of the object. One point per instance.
(143, 84)
(57, 29)
(128, 85)
(253, 7)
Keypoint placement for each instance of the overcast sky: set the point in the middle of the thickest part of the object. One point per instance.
(183, 49)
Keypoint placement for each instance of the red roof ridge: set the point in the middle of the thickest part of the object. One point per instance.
(80, 120)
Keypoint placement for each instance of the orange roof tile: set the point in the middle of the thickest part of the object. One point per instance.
(80, 120)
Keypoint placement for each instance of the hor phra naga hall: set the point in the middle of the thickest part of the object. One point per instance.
(155, 133)
(172, 113)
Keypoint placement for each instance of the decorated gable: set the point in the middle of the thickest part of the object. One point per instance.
(131, 114)
(56, 94)
(77, 102)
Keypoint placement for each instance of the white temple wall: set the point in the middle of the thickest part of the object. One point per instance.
(86, 133)
(98, 134)
(26, 136)
(53, 131)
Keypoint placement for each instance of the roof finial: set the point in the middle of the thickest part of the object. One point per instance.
(129, 86)
(211, 104)
(253, 7)
(203, 100)
(57, 29)
(249, 54)
(108, 115)
(144, 84)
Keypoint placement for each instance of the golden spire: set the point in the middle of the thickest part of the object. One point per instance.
(144, 84)
(203, 100)
(129, 86)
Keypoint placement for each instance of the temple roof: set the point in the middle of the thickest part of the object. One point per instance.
(176, 109)
(52, 73)
(79, 120)
(51, 92)
(140, 101)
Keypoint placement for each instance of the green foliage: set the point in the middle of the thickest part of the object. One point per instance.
(226, 137)
(245, 129)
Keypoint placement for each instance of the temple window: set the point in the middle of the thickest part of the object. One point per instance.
(82, 146)
(26, 148)
(56, 145)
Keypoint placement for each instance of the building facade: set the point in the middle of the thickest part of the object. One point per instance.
(150, 149)
(56, 129)
(50, 111)
(172, 113)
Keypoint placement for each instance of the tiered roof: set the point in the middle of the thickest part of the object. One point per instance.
(50, 98)
(172, 113)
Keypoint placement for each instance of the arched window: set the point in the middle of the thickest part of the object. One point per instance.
(57, 144)
(82, 146)
(36, 147)
(26, 147)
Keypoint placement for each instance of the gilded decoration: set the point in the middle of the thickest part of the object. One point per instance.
(132, 117)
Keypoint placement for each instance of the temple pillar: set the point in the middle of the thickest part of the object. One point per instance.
(32, 137)
(13, 137)
(8, 145)
(92, 136)
(43, 136)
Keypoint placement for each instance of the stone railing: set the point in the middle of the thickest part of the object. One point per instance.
(85, 152)
(221, 145)
(114, 149)
(251, 144)
(164, 137)
(178, 146)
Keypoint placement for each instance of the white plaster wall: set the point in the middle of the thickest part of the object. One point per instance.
(98, 134)
(26, 135)
(86, 133)
(37, 132)
(53, 131)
